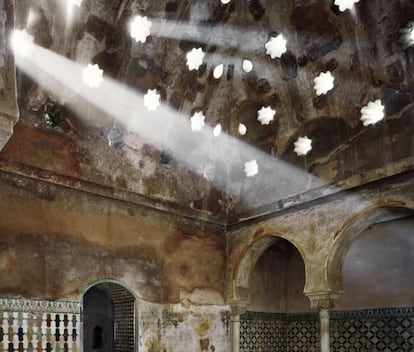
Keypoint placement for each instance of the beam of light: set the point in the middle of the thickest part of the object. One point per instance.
(170, 130)
(21, 42)
(222, 36)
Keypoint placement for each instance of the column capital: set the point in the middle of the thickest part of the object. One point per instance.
(323, 300)
(238, 307)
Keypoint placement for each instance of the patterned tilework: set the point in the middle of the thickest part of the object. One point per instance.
(302, 332)
(32, 326)
(262, 335)
(374, 330)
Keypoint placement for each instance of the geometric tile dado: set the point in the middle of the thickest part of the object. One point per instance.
(373, 330)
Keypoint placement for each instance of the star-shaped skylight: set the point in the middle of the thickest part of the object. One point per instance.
(303, 146)
(276, 46)
(197, 121)
(372, 113)
(140, 28)
(217, 130)
(195, 58)
(247, 65)
(345, 4)
(324, 83)
(407, 35)
(251, 168)
(92, 76)
(21, 42)
(242, 129)
(152, 100)
(266, 115)
(218, 71)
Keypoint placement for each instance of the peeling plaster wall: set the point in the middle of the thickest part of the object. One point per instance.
(54, 242)
(9, 111)
(174, 328)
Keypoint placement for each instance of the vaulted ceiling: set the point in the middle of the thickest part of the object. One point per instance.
(198, 173)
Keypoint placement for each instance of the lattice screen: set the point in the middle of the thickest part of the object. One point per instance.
(35, 326)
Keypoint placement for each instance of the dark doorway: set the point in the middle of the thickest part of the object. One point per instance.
(108, 319)
(98, 321)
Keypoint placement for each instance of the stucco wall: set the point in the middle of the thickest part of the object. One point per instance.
(54, 242)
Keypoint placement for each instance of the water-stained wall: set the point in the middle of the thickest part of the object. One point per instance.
(54, 242)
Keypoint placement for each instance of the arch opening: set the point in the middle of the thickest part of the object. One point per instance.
(350, 234)
(277, 280)
(109, 318)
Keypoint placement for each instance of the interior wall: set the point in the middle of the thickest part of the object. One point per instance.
(378, 268)
(55, 241)
(277, 281)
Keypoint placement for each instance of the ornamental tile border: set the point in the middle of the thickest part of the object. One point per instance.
(39, 306)
(334, 315)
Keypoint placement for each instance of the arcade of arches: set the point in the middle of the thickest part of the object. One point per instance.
(126, 247)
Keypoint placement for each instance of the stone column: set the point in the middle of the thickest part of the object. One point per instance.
(324, 330)
(324, 302)
(237, 309)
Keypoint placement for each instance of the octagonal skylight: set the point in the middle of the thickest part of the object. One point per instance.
(251, 168)
(217, 130)
(372, 113)
(242, 129)
(345, 4)
(92, 76)
(247, 65)
(266, 115)
(276, 46)
(197, 121)
(218, 71)
(324, 83)
(140, 28)
(152, 100)
(303, 146)
(195, 58)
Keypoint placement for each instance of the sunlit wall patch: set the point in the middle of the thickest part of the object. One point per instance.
(266, 115)
(324, 83)
(92, 76)
(197, 121)
(21, 42)
(152, 100)
(372, 113)
(276, 46)
(195, 58)
(140, 28)
(345, 4)
(251, 168)
(302, 146)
